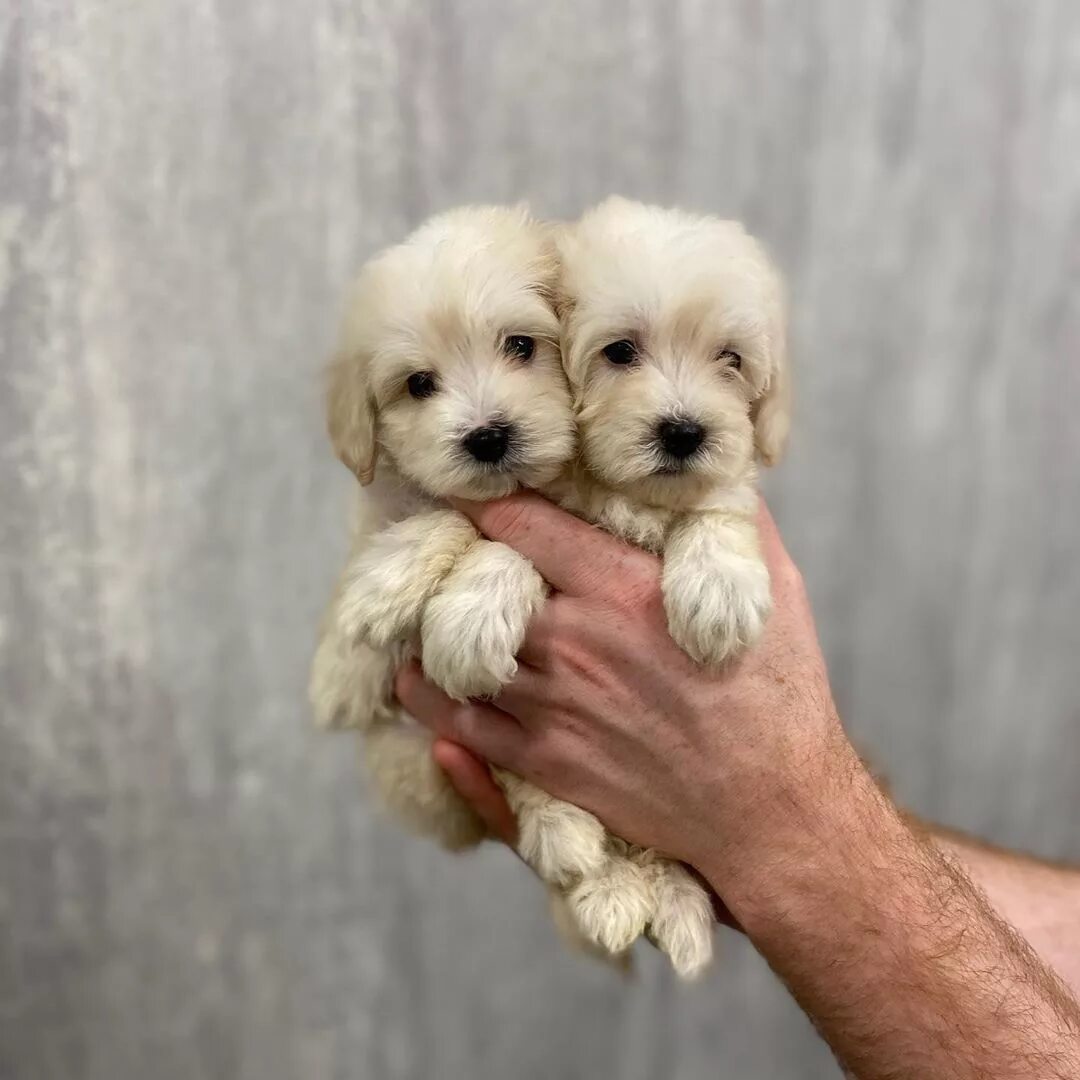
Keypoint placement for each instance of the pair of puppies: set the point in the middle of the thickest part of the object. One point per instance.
(632, 367)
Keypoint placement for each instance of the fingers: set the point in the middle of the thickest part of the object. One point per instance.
(483, 729)
(572, 555)
(473, 782)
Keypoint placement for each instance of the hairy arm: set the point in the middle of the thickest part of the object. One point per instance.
(1041, 899)
(748, 776)
(888, 946)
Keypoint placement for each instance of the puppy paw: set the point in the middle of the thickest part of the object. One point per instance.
(386, 585)
(474, 624)
(717, 609)
(682, 923)
(613, 908)
(561, 842)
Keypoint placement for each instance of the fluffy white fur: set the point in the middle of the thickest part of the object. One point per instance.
(688, 293)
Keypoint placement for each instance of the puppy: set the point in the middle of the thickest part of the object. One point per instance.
(674, 346)
(448, 382)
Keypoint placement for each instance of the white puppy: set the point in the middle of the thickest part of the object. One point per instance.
(674, 345)
(448, 382)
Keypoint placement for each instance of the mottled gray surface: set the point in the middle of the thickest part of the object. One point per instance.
(191, 885)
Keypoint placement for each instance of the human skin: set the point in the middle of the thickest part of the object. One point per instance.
(747, 775)
(1041, 899)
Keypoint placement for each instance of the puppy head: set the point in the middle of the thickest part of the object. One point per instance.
(674, 344)
(449, 362)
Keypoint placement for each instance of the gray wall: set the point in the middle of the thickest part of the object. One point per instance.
(191, 884)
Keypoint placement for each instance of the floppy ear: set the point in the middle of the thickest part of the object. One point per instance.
(771, 412)
(350, 414)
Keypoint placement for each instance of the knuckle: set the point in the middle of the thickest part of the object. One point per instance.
(469, 724)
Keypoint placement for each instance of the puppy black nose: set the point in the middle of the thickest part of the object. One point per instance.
(488, 443)
(680, 438)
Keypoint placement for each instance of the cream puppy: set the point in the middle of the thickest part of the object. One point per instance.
(674, 346)
(448, 382)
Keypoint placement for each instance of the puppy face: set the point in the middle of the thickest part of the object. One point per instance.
(674, 347)
(450, 362)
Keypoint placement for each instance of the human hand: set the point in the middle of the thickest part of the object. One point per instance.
(608, 713)
(747, 775)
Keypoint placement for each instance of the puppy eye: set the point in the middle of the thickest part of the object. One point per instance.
(731, 359)
(421, 384)
(621, 352)
(520, 346)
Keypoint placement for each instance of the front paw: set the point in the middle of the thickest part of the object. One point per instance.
(716, 611)
(386, 585)
(473, 626)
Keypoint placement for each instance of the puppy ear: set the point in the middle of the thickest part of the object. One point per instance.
(350, 414)
(771, 412)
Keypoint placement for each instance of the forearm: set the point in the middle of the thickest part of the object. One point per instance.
(1040, 899)
(896, 957)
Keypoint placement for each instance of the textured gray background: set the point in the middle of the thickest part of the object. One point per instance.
(191, 885)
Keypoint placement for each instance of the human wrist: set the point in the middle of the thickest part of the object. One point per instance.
(795, 831)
